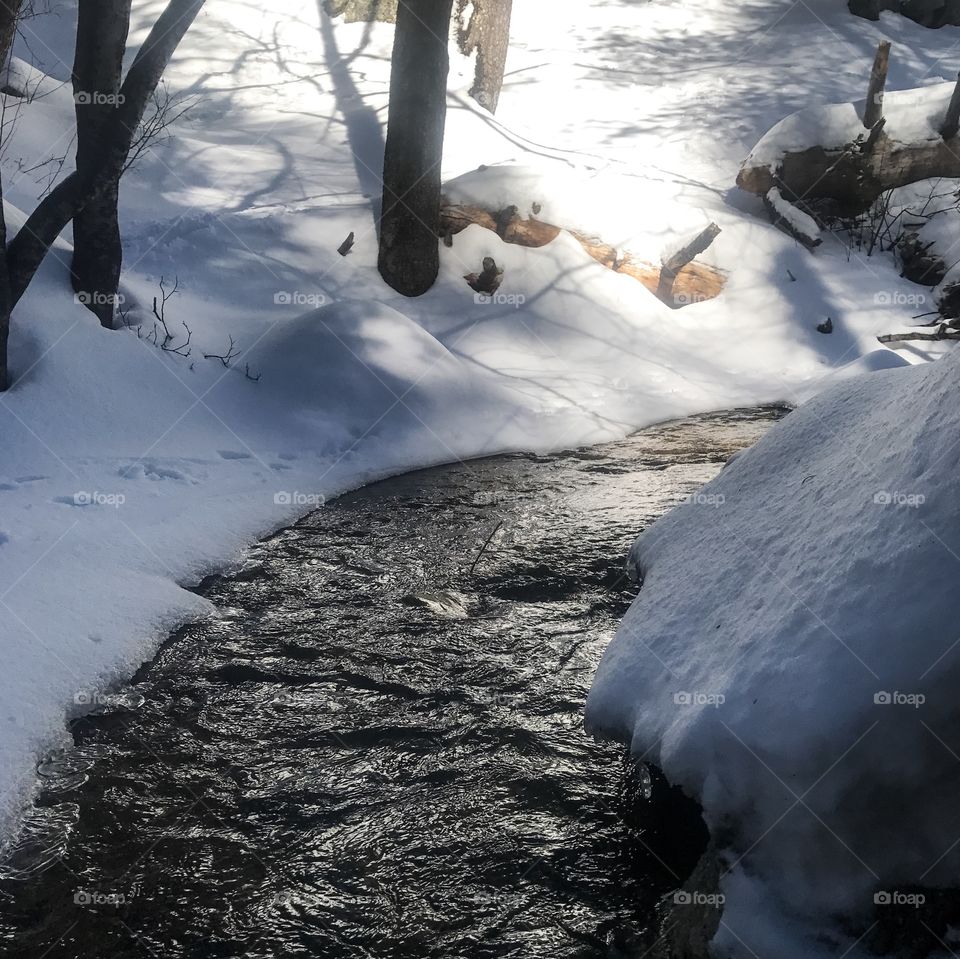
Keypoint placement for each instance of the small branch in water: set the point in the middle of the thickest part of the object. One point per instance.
(483, 548)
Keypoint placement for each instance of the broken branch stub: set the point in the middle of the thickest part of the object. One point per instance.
(673, 264)
(951, 122)
(873, 109)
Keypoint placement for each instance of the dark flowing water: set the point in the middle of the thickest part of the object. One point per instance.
(377, 749)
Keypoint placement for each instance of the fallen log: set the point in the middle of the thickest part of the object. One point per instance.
(942, 332)
(693, 282)
(860, 157)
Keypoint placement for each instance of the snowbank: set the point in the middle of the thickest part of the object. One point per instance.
(792, 660)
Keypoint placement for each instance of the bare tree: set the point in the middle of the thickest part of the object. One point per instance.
(410, 224)
(102, 27)
(26, 251)
(484, 29)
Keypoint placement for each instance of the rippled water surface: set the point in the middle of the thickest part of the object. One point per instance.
(377, 747)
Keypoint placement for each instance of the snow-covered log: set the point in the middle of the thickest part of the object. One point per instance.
(801, 226)
(692, 282)
(842, 153)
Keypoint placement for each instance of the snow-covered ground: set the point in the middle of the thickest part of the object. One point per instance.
(792, 661)
(127, 472)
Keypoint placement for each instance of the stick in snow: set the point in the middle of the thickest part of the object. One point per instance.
(873, 109)
(483, 548)
(673, 264)
(951, 122)
(346, 246)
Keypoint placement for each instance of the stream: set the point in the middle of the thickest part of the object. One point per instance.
(376, 747)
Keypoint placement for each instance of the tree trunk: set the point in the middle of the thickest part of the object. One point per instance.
(410, 224)
(5, 306)
(102, 27)
(487, 33)
(9, 11)
(363, 11)
(28, 248)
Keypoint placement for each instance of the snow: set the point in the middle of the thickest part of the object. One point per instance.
(129, 473)
(789, 660)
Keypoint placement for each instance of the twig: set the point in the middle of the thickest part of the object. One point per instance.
(483, 548)
(225, 358)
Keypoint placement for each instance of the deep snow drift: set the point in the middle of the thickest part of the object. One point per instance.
(792, 659)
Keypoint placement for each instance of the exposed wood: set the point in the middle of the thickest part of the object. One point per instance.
(673, 264)
(694, 282)
(873, 108)
(951, 122)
